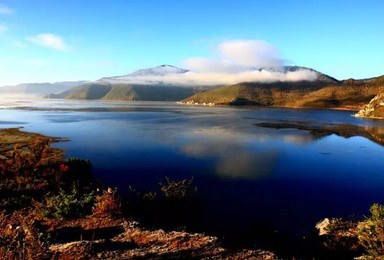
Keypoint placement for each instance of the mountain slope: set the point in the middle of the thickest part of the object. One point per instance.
(148, 92)
(90, 91)
(129, 92)
(324, 93)
(320, 76)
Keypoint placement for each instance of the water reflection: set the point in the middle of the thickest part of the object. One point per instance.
(318, 130)
(299, 139)
(236, 153)
(303, 165)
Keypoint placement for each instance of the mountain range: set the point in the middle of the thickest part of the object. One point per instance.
(38, 89)
(158, 84)
(144, 84)
(161, 83)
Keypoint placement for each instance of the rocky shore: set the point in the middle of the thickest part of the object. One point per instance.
(374, 109)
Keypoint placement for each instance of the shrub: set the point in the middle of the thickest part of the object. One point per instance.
(9, 203)
(78, 170)
(151, 196)
(20, 238)
(32, 159)
(67, 205)
(370, 232)
(178, 190)
(341, 236)
(39, 148)
(108, 203)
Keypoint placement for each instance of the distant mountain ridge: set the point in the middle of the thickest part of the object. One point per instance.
(324, 92)
(38, 89)
(147, 84)
(126, 87)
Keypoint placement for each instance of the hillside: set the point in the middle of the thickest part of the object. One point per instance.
(321, 93)
(129, 92)
(38, 89)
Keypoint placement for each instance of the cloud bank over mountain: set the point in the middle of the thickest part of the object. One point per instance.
(238, 56)
(237, 61)
(200, 78)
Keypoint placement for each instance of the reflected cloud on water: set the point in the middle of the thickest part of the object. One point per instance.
(237, 154)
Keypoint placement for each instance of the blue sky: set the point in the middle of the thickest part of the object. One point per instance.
(44, 40)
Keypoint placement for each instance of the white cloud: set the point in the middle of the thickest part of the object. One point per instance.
(5, 9)
(207, 65)
(238, 55)
(251, 53)
(240, 61)
(201, 78)
(49, 40)
(3, 28)
(236, 61)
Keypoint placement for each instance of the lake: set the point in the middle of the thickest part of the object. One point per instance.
(251, 177)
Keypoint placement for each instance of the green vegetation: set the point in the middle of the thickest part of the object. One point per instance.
(40, 191)
(90, 91)
(173, 206)
(370, 232)
(71, 204)
(341, 238)
(128, 92)
(359, 237)
(178, 190)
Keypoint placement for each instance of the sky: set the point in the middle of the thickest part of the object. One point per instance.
(48, 41)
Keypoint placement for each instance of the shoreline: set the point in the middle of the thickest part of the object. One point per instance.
(95, 235)
(346, 108)
(180, 103)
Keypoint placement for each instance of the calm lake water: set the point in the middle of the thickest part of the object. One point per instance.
(286, 179)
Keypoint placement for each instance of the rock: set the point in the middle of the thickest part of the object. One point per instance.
(375, 108)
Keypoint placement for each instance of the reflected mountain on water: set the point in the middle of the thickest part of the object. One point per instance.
(321, 130)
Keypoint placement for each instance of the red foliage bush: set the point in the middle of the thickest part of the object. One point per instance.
(108, 203)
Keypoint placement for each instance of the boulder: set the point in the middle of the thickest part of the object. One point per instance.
(375, 108)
